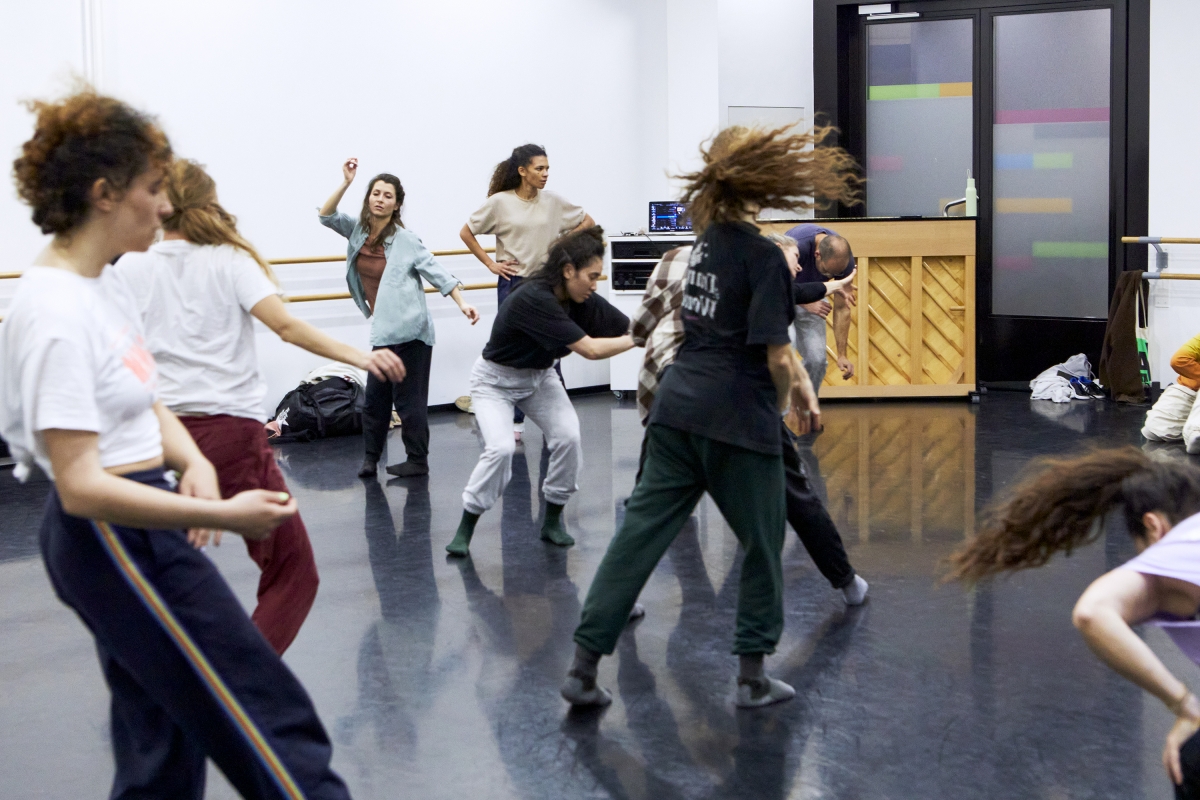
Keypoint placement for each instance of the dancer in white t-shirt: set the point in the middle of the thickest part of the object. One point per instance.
(198, 293)
(191, 678)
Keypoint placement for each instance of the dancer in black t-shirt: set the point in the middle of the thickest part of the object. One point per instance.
(715, 422)
(553, 313)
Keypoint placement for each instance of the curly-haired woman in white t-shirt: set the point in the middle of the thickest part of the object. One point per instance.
(191, 677)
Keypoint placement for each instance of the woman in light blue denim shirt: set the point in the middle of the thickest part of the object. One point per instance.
(384, 267)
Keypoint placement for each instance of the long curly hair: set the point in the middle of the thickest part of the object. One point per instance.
(77, 141)
(199, 217)
(577, 249)
(1057, 508)
(505, 176)
(770, 169)
(364, 217)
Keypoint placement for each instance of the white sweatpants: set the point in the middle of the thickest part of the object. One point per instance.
(1165, 421)
(495, 389)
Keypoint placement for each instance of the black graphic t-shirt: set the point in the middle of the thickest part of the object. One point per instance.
(533, 329)
(737, 300)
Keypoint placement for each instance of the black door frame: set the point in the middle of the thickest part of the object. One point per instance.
(1009, 348)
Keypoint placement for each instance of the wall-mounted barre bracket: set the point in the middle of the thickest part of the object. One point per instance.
(1160, 256)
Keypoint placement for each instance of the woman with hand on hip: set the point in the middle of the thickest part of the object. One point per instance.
(525, 219)
(199, 292)
(191, 677)
(385, 263)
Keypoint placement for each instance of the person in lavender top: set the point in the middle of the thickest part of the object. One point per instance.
(1057, 510)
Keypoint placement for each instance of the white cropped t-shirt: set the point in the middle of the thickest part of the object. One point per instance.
(194, 301)
(72, 357)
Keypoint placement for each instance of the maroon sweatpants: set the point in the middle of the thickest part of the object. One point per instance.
(238, 448)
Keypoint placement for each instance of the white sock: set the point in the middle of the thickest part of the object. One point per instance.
(856, 592)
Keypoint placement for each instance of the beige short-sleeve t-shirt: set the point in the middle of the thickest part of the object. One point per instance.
(525, 229)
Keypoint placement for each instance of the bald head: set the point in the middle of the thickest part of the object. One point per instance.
(833, 254)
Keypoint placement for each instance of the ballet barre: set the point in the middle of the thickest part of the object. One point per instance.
(1160, 256)
(466, 287)
(331, 259)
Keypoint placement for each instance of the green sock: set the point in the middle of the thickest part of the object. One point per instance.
(462, 537)
(553, 529)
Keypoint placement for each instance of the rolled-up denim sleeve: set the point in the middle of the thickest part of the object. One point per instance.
(338, 222)
(432, 271)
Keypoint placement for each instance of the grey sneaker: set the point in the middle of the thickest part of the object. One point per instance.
(758, 692)
(581, 690)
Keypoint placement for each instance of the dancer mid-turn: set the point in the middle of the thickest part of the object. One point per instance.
(1059, 509)
(714, 426)
(658, 326)
(191, 677)
(554, 313)
(199, 292)
(385, 263)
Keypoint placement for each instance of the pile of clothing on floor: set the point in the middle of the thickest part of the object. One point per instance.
(1070, 380)
(1176, 415)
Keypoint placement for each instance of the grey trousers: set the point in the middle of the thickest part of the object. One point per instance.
(811, 343)
(495, 391)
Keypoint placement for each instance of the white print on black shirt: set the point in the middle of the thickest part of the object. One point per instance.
(703, 302)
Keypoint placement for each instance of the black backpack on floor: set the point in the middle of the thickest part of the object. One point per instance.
(329, 407)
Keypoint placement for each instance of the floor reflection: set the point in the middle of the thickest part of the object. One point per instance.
(439, 677)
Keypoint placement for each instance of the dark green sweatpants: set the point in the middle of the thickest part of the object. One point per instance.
(748, 488)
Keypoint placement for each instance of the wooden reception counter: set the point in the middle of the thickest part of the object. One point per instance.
(915, 319)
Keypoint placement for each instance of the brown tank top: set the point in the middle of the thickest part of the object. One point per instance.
(370, 265)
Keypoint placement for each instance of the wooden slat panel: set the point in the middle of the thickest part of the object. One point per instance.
(892, 238)
(916, 344)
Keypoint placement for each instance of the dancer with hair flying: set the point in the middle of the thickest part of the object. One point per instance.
(525, 219)
(1057, 509)
(385, 263)
(199, 292)
(714, 425)
(555, 312)
(190, 675)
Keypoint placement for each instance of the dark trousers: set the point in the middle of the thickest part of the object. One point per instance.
(410, 398)
(238, 449)
(811, 521)
(189, 673)
(680, 467)
(805, 512)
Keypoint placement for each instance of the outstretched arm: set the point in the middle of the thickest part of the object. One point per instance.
(383, 364)
(596, 349)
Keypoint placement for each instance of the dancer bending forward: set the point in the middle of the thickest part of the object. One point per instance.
(715, 425)
(1057, 510)
(553, 313)
(199, 292)
(190, 676)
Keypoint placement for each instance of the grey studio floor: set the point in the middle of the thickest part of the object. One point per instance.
(438, 679)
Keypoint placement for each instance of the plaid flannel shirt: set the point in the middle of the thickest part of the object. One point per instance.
(658, 323)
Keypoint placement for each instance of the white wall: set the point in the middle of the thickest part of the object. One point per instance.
(1174, 174)
(272, 96)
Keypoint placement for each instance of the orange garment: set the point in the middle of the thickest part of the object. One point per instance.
(1186, 362)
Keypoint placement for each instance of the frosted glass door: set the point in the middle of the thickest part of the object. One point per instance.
(920, 131)
(1050, 229)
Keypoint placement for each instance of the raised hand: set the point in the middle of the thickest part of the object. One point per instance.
(349, 170)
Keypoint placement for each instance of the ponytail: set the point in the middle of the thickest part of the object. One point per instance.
(505, 176)
(199, 217)
(1058, 509)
